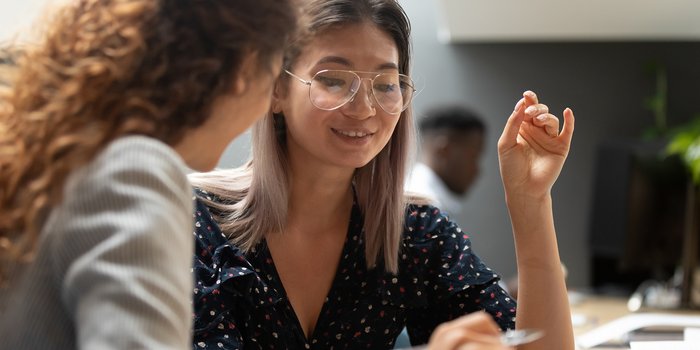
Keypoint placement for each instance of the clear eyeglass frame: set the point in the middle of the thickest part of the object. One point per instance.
(404, 81)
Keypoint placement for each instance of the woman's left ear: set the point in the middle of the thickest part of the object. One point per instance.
(240, 85)
(248, 65)
(277, 95)
(276, 108)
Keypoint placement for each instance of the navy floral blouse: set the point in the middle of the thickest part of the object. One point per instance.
(240, 303)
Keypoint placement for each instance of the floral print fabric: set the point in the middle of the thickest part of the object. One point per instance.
(240, 303)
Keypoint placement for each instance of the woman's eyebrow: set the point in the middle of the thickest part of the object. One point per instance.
(388, 66)
(334, 59)
(347, 63)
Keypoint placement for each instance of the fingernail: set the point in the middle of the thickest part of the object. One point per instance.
(531, 110)
(542, 117)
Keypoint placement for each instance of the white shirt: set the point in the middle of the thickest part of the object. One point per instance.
(423, 180)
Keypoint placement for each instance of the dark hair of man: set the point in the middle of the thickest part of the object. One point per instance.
(450, 118)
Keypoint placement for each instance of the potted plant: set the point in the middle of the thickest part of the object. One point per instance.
(685, 144)
(640, 202)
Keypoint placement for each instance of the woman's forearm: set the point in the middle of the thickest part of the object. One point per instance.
(542, 296)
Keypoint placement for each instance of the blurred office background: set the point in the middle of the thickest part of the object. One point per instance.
(602, 75)
(605, 78)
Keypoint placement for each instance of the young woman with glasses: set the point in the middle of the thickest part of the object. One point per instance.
(98, 123)
(314, 245)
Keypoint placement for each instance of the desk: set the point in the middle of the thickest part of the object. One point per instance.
(593, 311)
(589, 312)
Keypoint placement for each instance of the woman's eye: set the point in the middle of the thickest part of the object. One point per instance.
(330, 82)
(385, 87)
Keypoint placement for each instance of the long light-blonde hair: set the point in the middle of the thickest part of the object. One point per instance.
(252, 200)
(108, 68)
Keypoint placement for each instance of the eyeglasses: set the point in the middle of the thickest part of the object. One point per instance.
(332, 89)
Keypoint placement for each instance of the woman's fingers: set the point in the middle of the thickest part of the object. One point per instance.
(476, 329)
(567, 131)
(526, 108)
(477, 321)
(461, 338)
(536, 109)
(548, 122)
(510, 131)
(529, 110)
(478, 346)
(530, 97)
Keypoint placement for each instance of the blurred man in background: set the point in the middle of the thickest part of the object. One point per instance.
(452, 141)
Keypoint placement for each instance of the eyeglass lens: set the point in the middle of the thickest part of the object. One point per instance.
(332, 89)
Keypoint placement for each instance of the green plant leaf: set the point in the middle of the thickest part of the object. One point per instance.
(680, 143)
(685, 142)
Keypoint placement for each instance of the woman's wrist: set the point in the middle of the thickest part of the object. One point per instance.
(516, 198)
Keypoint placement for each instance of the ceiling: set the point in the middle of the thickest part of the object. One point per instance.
(568, 20)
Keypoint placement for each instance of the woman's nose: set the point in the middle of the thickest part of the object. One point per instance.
(361, 105)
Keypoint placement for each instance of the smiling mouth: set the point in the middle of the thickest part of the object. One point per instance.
(355, 134)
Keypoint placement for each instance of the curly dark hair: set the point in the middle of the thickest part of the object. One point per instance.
(108, 68)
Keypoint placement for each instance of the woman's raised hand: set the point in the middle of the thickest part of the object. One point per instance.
(531, 150)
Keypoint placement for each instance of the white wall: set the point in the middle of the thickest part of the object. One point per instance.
(604, 20)
(21, 19)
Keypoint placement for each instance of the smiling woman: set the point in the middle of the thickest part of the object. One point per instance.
(313, 244)
(317, 136)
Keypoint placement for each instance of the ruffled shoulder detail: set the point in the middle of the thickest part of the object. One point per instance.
(238, 278)
(200, 193)
(225, 281)
(439, 254)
